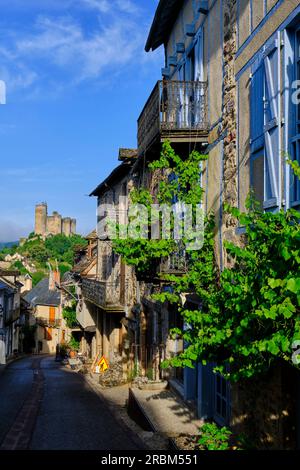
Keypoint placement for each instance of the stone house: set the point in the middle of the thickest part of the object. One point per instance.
(45, 300)
(228, 90)
(108, 291)
(10, 313)
(85, 266)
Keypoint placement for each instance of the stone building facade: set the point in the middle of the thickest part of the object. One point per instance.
(10, 315)
(246, 53)
(227, 91)
(53, 224)
(106, 286)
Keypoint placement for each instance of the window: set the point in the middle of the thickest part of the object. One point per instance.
(265, 135)
(257, 142)
(190, 94)
(222, 400)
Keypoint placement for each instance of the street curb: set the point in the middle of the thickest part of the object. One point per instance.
(3, 367)
(137, 441)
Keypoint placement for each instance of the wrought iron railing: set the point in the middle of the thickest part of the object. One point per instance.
(174, 264)
(173, 106)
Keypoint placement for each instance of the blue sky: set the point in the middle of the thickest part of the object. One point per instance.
(77, 78)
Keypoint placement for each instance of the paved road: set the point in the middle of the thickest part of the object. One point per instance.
(44, 406)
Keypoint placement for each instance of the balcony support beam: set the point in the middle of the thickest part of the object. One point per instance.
(203, 7)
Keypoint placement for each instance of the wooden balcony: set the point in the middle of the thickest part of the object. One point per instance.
(175, 111)
(44, 321)
(106, 295)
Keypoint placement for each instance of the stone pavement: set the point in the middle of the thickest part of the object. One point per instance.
(167, 412)
(2, 368)
(116, 399)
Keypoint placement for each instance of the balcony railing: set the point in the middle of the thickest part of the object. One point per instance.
(44, 321)
(175, 110)
(107, 295)
(174, 264)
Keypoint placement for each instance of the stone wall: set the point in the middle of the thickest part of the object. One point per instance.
(53, 224)
(229, 121)
(265, 408)
(40, 219)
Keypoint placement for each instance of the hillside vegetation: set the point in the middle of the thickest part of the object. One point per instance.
(32, 257)
(8, 244)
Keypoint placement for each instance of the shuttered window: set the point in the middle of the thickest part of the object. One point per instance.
(265, 138)
(272, 98)
(257, 140)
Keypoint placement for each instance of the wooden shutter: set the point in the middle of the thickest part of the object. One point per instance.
(257, 140)
(198, 71)
(272, 177)
(52, 315)
(48, 334)
(198, 77)
(181, 97)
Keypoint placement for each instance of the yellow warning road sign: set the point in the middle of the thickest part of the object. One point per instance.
(103, 364)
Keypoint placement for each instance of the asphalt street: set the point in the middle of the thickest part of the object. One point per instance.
(45, 406)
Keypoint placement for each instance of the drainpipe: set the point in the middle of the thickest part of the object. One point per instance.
(137, 331)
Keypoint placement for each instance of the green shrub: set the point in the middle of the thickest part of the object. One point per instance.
(69, 314)
(74, 344)
(212, 437)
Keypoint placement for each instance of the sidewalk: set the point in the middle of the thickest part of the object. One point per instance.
(166, 412)
(116, 399)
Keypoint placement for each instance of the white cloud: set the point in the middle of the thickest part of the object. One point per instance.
(106, 6)
(65, 44)
(11, 230)
(58, 52)
(103, 6)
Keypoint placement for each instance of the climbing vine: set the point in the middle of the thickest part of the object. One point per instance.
(249, 315)
(145, 252)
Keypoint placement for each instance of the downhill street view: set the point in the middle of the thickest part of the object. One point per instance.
(149, 231)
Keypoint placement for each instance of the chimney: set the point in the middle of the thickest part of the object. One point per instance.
(54, 278)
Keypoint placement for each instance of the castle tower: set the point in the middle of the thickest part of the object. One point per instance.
(54, 224)
(73, 226)
(40, 219)
(66, 226)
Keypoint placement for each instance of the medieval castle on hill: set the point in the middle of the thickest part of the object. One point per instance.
(52, 224)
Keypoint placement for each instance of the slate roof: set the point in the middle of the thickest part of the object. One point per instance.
(165, 16)
(4, 285)
(119, 172)
(41, 295)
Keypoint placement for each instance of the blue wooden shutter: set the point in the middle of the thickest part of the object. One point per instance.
(180, 116)
(198, 72)
(257, 140)
(272, 177)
